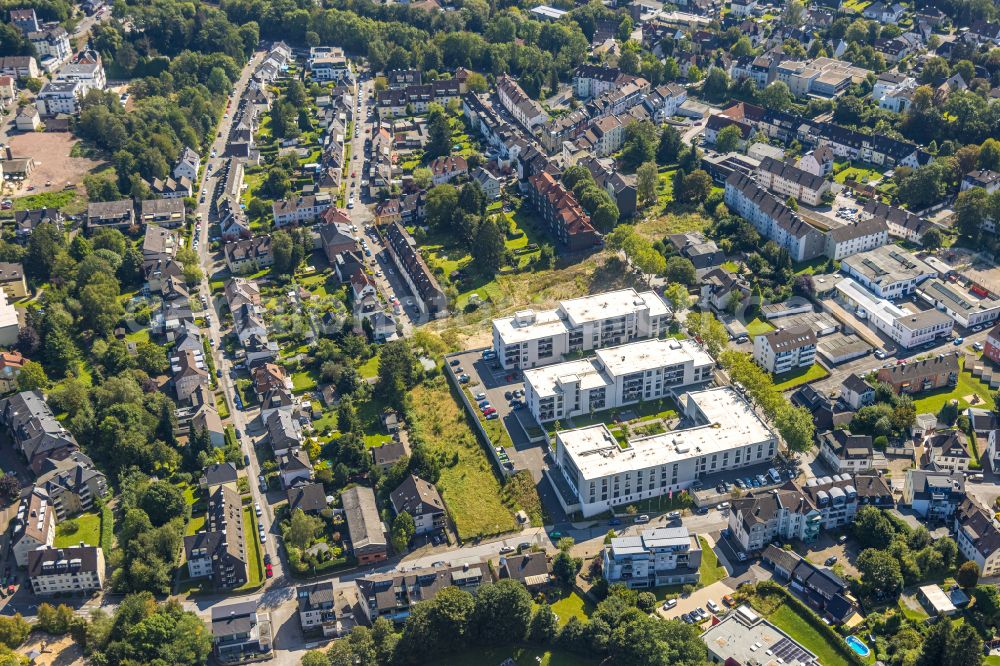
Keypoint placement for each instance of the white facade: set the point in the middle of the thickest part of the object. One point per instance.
(965, 308)
(888, 272)
(781, 351)
(58, 97)
(530, 339)
(614, 377)
(77, 570)
(661, 556)
(724, 434)
(905, 328)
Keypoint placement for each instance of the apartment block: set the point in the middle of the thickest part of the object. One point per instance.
(62, 571)
(219, 552)
(850, 239)
(661, 556)
(326, 610)
(978, 536)
(392, 595)
(615, 377)
(533, 338)
(241, 633)
(567, 221)
(917, 376)
(787, 180)
(525, 110)
(34, 525)
(429, 296)
(773, 219)
(719, 431)
(932, 494)
(785, 349)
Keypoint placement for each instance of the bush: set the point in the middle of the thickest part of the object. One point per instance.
(69, 526)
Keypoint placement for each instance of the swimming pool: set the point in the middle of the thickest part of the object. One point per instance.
(858, 646)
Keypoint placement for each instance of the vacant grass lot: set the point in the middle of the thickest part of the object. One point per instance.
(88, 531)
(758, 326)
(572, 605)
(469, 487)
(799, 376)
(255, 567)
(711, 571)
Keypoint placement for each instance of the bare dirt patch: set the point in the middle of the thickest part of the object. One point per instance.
(52, 650)
(53, 164)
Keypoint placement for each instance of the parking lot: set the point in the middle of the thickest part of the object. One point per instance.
(711, 495)
(699, 599)
(826, 547)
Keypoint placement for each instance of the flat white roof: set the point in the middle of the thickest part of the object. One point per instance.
(651, 354)
(732, 423)
(879, 308)
(547, 380)
(8, 314)
(611, 304)
(546, 323)
(937, 598)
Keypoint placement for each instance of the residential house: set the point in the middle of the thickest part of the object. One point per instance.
(388, 454)
(300, 209)
(19, 67)
(171, 189)
(267, 376)
(12, 280)
(110, 215)
(415, 272)
(219, 474)
(447, 168)
(655, 557)
(917, 376)
(422, 501)
(10, 367)
(978, 536)
(58, 97)
(337, 238)
(66, 571)
(948, 451)
(24, 19)
(28, 120)
(934, 495)
(25, 221)
(844, 452)
(72, 484)
(240, 633)
(531, 569)
(34, 430)
(10, 324)
(364, 525)
(294, 468)
(991, 349)
(785, 349)
(167, 213)
(856, 392)
(283, 432)
(525, 110)
(189, 371)
(325, 610)
(393, 595)
(757, 519)
(719, 287)
(220, 551)
(310, 498)
(188, 165)
(489, 182)
(984, 178)
(34, 526)
(818, 162)
(818, 586)
(248, 255)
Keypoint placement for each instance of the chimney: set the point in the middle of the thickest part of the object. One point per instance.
(10, 155)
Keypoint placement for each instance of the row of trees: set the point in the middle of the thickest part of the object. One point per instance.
(461, 213)
(502, 613)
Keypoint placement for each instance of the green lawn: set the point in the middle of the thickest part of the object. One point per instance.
(69, 201)
(795, 626)
(572, 605)
(369, 368)
(817, 265)
(255, 567)
(522, 656)
(142, 335)
(800, 376)
(991, 661)
(88, 531)
(859, 173)
(758, 327)
(192, 495)
(643, 411)
(711, 571)
(302, 381)
(731, 266)
(932, 401)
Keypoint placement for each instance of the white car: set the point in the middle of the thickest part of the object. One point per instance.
(257, 509)
(712, 606)
(669, 603)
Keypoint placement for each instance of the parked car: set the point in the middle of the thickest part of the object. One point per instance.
(454, 362)
(830, 561)
(492, 416)
(959, 340)
(674, 515)
(642, 519)
(669, 603)
(257, 509)
(480, 396)
(614, 521)
(246, 459)
(978, 346)
(268, 570)
(267, 558)
(712, 606)
(506, 549)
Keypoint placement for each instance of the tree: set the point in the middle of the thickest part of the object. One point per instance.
(872, 528)
(315, 658)
(32, 377)
(989, 155)
(647, 179)
(302, 529)
(440, 206)
(438, 626)
(711, 331)
(488, 247)
(949, 645)
(881, 576)
(282, 251)
(678, 297)
(697, 186)
(641, 141)
(10, 487)
(565, 568)
(55, 619)
(680, 269)
(422, 178)
(968, 574)
(972, 212)
(716, 85)
(793, 13)
(503, 612)
(544, 625)
(776, 96)
(14, 630)
(932, 239)
(45, 243)
(728, 139)
(669, 146)
(743, 47)
(162, 501)
(438, 133)
(403, 530)
(396, 372)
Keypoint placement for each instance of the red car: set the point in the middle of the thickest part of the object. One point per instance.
(269, 571)
(489, 410)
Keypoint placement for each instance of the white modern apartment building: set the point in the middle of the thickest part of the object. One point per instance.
(785, 349)
(660, 556)
(908, 329)
(530, 339)
(888, 271)
(720, 431)
(615, 377)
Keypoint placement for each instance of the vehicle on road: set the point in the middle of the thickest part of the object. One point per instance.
(674, 515)
(957, 341)
(712, 606)
(642, 519)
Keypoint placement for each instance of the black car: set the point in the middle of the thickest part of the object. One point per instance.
(267, 558)
(455, 362)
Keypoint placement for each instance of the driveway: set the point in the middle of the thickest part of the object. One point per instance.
(698, 599)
